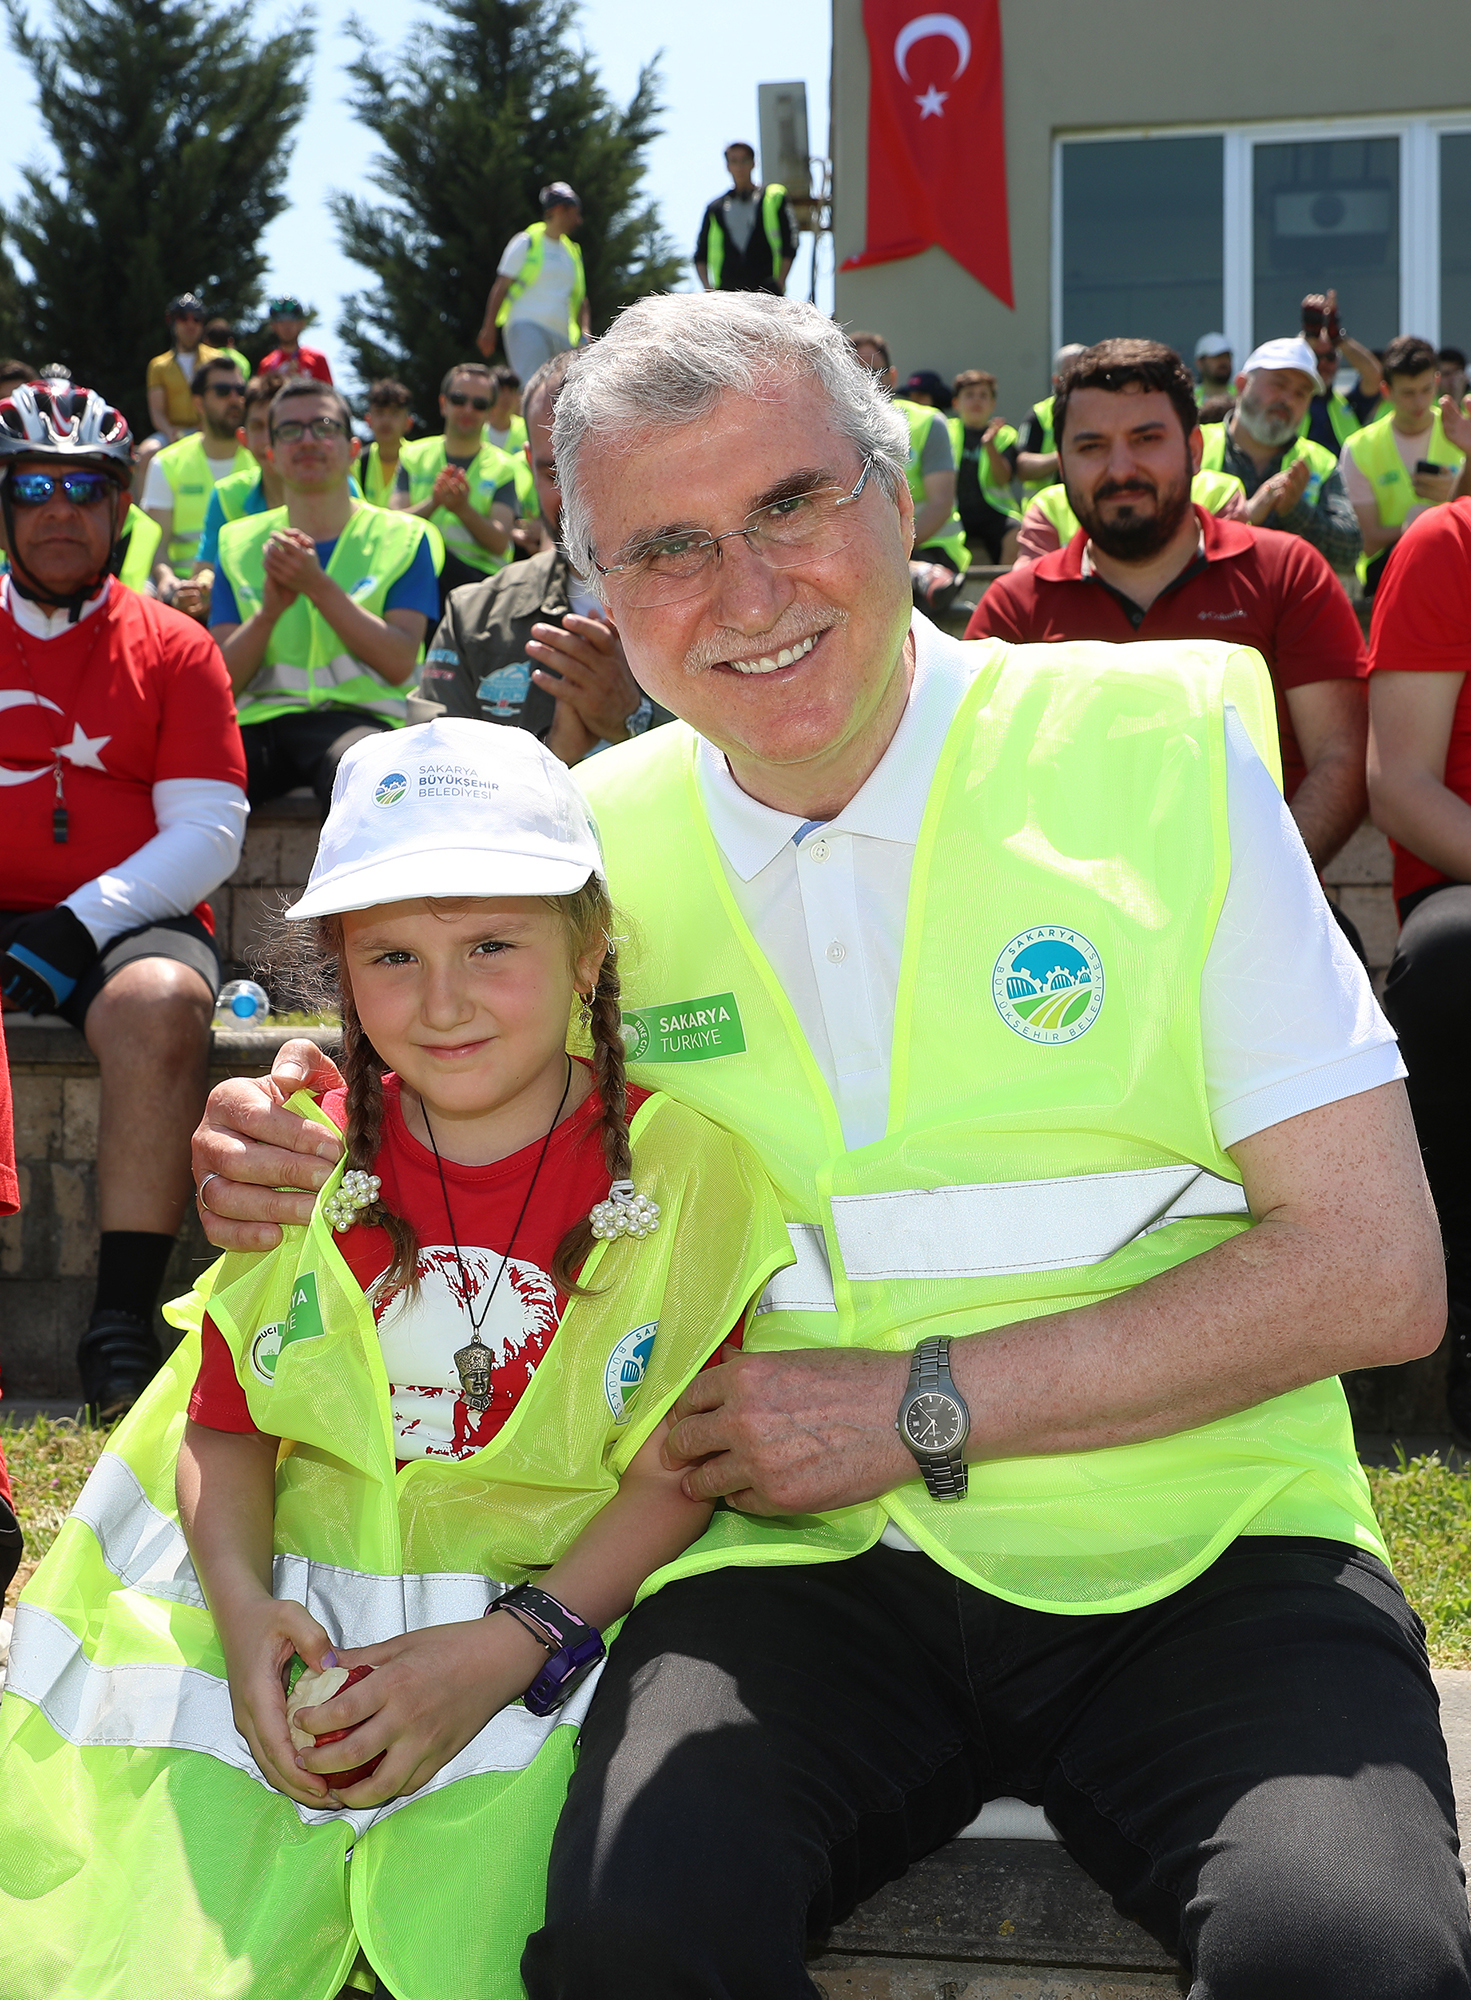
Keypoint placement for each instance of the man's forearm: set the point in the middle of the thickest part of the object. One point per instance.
(1329, 805)
(367, 637)
(1416, 809)
(1036, 466)
(489, 531)
(245, 648)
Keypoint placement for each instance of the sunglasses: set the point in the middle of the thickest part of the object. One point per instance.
(224, 389)
(83, 489)
(481, 403)
(321, 428)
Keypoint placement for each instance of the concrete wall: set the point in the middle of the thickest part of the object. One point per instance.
(1077, 65)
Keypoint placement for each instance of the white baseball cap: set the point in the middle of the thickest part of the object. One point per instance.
(1211, 343)
(449, 808)
(1292, 351)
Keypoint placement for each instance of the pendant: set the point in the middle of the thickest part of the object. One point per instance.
(60, 822)
(473, 1363)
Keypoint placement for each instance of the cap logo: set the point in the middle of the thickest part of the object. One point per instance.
(391, 789)
(1048, 985)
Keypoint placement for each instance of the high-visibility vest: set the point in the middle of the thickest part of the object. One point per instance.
(1049, 1140)
(306, 664)
(138, 1833)
(951, 536)
(424, 459)
(187, 469)
(530, 271)
(1210, 490)
(1043, 413)
(516, 438)
(378, 484)
(1341, 416)
(141, 536)
(771, 200)
(1000, 497)
(1321, 461)
(1376, 454)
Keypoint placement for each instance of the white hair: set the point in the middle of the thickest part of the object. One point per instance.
(667, 360)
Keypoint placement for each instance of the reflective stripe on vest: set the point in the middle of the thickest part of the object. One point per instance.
(307, 667)
(771, 201)
(187, 468)
(491, 469)
(530, 271)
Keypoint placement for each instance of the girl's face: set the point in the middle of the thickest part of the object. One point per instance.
(467, 1001)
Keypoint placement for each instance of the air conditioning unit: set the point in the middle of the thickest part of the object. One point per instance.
(1331, 212)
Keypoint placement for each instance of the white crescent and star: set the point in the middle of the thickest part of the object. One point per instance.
(932, 104)
(81, 752)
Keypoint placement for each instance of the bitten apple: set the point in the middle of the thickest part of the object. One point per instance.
(311, 1688)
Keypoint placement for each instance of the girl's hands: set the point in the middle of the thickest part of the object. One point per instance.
(259, 1635)
(430, 1693)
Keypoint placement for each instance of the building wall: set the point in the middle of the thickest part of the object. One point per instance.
(1076, 65)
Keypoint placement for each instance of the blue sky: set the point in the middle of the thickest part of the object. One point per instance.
(713, 60)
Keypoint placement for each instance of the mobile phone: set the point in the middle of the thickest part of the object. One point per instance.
(1429, 465)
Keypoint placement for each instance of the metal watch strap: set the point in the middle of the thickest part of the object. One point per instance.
(945, 1474)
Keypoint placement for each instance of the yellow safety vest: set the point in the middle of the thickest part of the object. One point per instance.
(1000, 497)
(186, 467)
(1049, 1142)
(492, 469)
(141, 536)
(951, 536)
(1210, 490)
(1321, 461)
(530, 271)
(771, 200)
(140, 1848)
(1376, 454)
(306, 664)
(1043, 413)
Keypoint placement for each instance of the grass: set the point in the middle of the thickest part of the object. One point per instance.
(1424, 1509)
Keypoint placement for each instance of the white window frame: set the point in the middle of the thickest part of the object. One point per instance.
(1419, 138)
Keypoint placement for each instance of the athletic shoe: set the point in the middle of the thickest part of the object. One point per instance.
(118, 1357)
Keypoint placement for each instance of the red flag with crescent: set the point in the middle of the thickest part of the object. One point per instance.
(937, 138)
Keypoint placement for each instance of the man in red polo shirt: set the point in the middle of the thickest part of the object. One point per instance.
(1147, 564)
(124, 806)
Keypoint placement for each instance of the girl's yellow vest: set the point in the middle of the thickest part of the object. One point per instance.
(1049, 1141)
(140, 1849)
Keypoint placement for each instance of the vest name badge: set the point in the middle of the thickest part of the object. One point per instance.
(685, 1030)
(1048, 984)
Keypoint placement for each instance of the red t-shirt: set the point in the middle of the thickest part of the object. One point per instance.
(305, 361)
(1422, 625)
(129, 697)
(420, 1334)
(1256, 587)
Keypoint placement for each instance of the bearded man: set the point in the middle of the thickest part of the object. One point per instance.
(1147, 564)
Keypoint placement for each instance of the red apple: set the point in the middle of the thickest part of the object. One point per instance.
(312, 1688)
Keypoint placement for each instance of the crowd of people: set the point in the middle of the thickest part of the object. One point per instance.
(856, 1158)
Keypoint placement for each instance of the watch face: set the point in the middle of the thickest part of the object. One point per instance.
(933, 1421)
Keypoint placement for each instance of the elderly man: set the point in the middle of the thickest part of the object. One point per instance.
(1291, 483)
(1037, 1478)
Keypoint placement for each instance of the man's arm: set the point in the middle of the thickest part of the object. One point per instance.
(1359, 357)
(489, 333)
(939, 505)
(158, 413)
(1343, 1270)
(1410, 719)
(490, 531)
(1328, 524)
(1330, 720)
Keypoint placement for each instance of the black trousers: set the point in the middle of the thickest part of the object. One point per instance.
(1253, 1768)
(302, 747)
(1424, 999)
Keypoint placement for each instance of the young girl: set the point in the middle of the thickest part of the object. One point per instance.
(421, 1437)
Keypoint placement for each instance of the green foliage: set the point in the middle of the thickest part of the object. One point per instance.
(477, 112)
(49, 1460)
(1424, 1510)
(172, 128)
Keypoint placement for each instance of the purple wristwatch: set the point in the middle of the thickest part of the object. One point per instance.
(574, 1646)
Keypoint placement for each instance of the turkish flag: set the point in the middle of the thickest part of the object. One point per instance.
(937, 138)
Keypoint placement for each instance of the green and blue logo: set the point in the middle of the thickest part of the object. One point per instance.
(391, 789)
(1048, 984)
(627, 1365)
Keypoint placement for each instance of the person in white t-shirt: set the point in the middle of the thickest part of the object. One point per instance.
(832, 874)
(539, 299)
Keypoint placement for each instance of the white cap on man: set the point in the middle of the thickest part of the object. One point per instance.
(449, 808)
(1291, 351)
(1211, 344)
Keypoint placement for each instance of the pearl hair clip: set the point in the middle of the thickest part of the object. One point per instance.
(624, 1213)
(356, 1190)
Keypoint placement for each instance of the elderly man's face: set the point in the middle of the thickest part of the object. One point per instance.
(815, 716)
(64, 544)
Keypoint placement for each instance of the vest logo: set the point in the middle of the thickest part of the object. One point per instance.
(364, 587)
(265, 1350)
(504, 692)
(627, 1366)
(303, 1321)
(685, 1030)
(389, 790)
(1048, 985)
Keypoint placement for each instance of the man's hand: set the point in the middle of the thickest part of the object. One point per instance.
(1279, 494)
(486, 338)
(291, 566)
(1456, 424)
(452, 490)
(580, 662)
(1436, 488)
(256, 1148)
(793, 1433)
(192, 598)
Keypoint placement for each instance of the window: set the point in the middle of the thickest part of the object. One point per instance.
(1142, 223)
(1326, 214)
(1455, 240)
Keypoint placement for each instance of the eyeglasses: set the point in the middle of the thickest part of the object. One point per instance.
(322, 428)
(804, 527)
(83, 489)
(475, 402)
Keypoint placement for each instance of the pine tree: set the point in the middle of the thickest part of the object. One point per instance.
(477, 112)
(172, 127)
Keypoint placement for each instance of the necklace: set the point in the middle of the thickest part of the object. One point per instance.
(473, 1360)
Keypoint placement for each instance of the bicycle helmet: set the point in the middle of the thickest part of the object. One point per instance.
(72, 425)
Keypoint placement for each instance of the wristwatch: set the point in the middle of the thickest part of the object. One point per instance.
(574, 1647)
(640, 719)
(933, 1420)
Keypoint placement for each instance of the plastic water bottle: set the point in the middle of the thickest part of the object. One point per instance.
(242, 1004)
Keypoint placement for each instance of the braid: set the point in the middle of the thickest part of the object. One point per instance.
(612, 1082)
(362, 1072)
